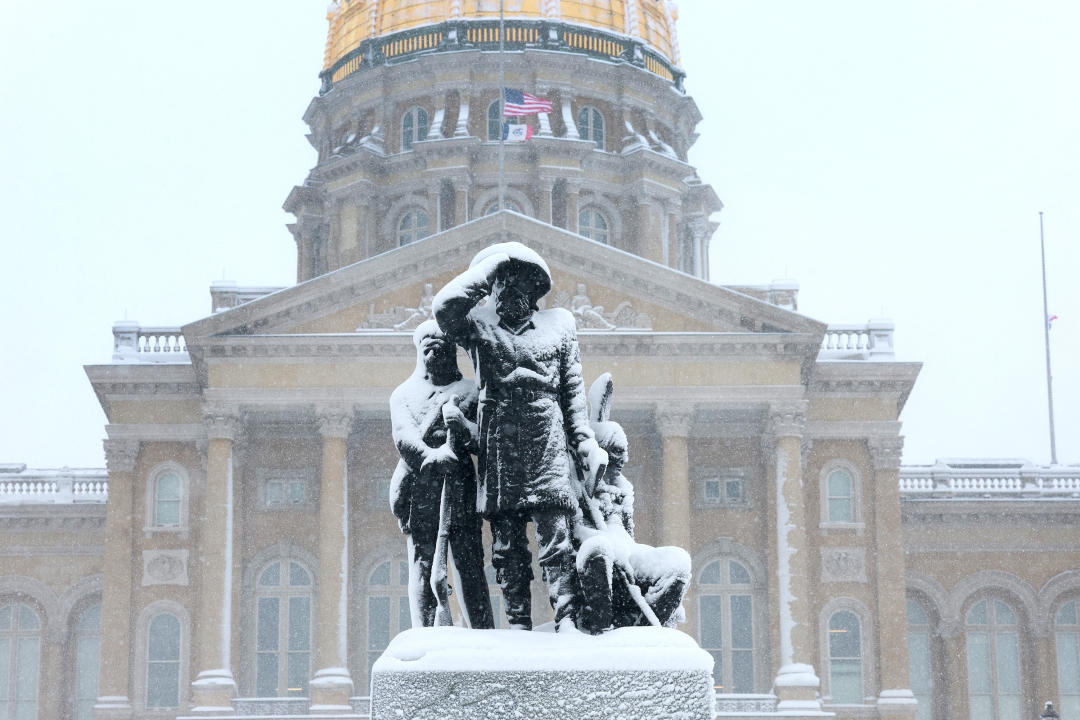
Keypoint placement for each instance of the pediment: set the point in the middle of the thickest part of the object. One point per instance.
(610, 289)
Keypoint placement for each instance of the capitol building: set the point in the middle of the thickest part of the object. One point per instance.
(238, 557)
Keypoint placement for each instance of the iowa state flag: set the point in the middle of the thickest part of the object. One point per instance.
(516, 103)
(516, 133)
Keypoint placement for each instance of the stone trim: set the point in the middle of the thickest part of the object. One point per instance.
(886, 452)
(867, 633)
(121, 455)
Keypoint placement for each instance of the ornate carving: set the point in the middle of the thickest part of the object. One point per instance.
(165, 567)
(886, 452)
(120, 455)
(334, 423)
(673, 421)
(843, 565)
(221, 424)
(400, 317)
(746, 705)
(787, 420)
(592, 317)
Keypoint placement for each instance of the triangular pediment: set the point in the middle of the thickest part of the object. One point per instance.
(610, 289)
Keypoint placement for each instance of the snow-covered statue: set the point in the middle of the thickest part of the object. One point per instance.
(623, 582)
(533, 425)
(433, 489)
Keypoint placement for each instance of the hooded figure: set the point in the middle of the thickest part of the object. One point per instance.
(431, 413)
(532, 412)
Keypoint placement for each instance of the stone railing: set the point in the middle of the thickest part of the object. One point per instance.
(989, 479)
(752, 704)
(872, 341)
(520, 34)
(19, 486)
(283, 707)
(152, 344)
(225, 294)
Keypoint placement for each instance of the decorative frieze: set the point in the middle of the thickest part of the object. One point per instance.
(673, 421)
(221, 424)
(787, 420)
(334, 422)
(165, 567)
(843, 564)
(594, 317)
(120, 455)
(886, 452)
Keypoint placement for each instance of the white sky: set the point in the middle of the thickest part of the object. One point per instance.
(891, 157)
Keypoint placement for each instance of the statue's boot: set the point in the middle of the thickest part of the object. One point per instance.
(595, 614)
(665, 597)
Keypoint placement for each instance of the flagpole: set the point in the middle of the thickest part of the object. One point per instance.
(502, 106)
(1046, 333)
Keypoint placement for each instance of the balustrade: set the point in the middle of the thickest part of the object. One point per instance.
(872, 341)
(132, 343)
(1007, 478)
(54, 487)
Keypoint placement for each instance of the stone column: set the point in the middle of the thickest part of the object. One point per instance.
(434, 216)
(571, 208)
(332, 685)
(796, 683)
(438, 102)
(543, 211)
(461, 129)
(895, 699)
(214, 687)
(566, 105)
(956, 685)
(461, 202)
(114, 682)
(674, 427)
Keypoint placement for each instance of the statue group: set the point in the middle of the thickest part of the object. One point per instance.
(546, 452)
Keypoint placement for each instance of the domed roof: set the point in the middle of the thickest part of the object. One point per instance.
(353, 21)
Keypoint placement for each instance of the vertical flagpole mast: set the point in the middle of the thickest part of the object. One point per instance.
(502, 106)
(1046, 333)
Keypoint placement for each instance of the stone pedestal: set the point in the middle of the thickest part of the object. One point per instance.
(451, 673)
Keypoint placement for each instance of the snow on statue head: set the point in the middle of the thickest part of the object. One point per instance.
(521, 279)
(436, 355)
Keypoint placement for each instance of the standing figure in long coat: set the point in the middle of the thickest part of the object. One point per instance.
(430, 414)
(532, 418)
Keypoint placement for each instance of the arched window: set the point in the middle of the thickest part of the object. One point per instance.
(920, 659)
(841, 496)
(993, 661)
(726, 612)
(1067, 637)
(494, 122)
(593, 225)
(413, 226)
(87, 642)
(283, 630)
(508, 204)
(167, 499)
(591, 126)
(414, 127)
(845, 657)
(163, 662)
(20, 661)
(387, 606)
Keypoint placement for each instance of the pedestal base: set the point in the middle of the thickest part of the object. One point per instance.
(452, 673)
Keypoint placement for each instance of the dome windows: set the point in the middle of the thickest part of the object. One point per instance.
(414, 127)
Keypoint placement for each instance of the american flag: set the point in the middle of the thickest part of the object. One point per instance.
(518, 103)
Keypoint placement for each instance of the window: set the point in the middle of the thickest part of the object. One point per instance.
(163, 662)
(20, 660)
(1067, 639)
(282, 489)
(413, 226)
(841, 498)
(591, 126)
(283, 630)
(508, 204)
(387, 607)
(414, 127)
(593, 225)
(920, 662)
(724, 488)
(87, 659)
(993, 661)
(726, 612)
(494, 122)
(166, 499)
(845, 658)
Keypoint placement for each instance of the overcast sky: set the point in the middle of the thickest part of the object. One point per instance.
(891, 157)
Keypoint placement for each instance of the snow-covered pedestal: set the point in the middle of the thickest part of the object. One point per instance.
(450, 673)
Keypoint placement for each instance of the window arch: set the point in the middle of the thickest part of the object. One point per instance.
(593, 224)
(87, 646)
(414, 127)
(494, 122)
(591, 125)
(283, 598)
(413, 226)
(1067, 642)
(167, 498)
(728, 626)
(840, 495)
(388, 610)
(992, 633)
(20, 660)
(508, 204)
(920, 658)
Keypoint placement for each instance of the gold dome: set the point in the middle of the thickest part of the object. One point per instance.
(353, 21)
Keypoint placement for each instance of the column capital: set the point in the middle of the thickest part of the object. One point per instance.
(673, 421)
(885, 452)
(221, 423)
(334, 422)
(788, 420)
(120, 455)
